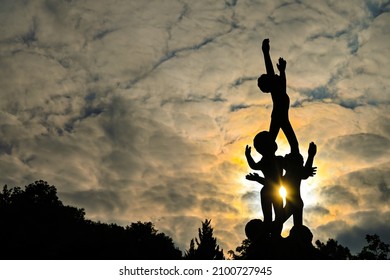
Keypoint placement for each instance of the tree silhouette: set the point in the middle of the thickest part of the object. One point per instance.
(207, 248)
(375, 250)
(191, 252)
(147, 243)
(334, 250)
(36, 225)
(242, 250)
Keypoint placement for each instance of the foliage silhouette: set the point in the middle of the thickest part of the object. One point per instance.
(36, 225)
(375, 250)
(147, 243)
(334, 250)
(207, 248)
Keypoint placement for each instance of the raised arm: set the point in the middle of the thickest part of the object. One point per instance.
(309, 169)
(282, 72)
(252, 164)
(267, 58)
(312, 152)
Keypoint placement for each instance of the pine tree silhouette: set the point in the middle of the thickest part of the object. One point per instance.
(207, 247)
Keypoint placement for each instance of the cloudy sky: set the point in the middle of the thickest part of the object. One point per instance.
(141, 110)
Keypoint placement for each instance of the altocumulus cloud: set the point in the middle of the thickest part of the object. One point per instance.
(140, 110)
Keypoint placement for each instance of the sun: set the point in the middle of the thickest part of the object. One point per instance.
(283, 194)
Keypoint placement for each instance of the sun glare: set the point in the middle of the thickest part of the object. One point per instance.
(283, 193)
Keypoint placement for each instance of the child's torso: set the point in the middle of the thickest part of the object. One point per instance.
(280, 99)
(272, 170)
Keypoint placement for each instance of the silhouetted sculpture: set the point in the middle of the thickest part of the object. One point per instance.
(295, 172)
(260, 246)
(272, 168)
(300, 246)
(276, 85)
(297, 246)
(255, 230)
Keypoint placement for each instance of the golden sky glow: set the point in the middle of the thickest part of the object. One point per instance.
(141, 110)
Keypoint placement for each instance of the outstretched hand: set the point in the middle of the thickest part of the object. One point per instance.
(253, 177)
(312, 171)
(248, 151)
(265, 46)
(309, 172)
(282, 64)
(312, 149)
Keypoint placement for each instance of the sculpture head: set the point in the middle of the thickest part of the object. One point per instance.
(264, 144)
(255, 230)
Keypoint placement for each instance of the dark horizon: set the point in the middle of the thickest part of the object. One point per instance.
(36, 225)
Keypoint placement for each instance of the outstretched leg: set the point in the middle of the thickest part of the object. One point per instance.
(274, 128)
(291, 137)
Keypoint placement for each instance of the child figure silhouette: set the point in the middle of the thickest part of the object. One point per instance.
(272, 169)
(276, 85)
(295, 173)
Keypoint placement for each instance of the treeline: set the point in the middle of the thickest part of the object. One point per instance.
(298, 249)
(35, 224)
